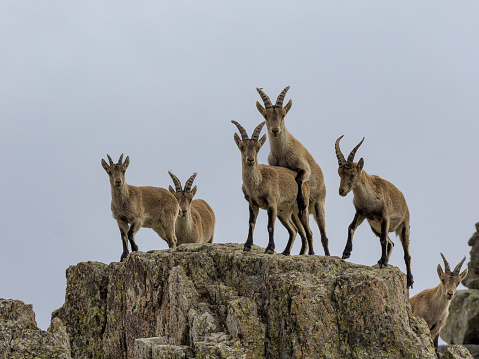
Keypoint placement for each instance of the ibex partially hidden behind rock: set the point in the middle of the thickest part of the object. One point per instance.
(135, 207)
(287, 151)
(196, 219)
(378, 201)
(273, 189)
(433, 304)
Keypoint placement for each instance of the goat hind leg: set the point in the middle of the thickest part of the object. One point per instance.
(320, 218)
(404, 236)
(292, 231)
(383, 261)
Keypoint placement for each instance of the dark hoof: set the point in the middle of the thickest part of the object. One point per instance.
(382, 263)
(246, 249)
(326, 253)
(346, 255)
(310, 253)
(284, 253)
(410, 282)
(269, 251)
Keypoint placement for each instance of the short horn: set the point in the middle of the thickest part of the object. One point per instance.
(266, 100)
(109, 159)
(244, 135)
(176, 181)
(339, 154)
(120, 159)
(447, 269)
(189, 183)
(458, 267)
(280, 99)
(257, 131)
(353, 153)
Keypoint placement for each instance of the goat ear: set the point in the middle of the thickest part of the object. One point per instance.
(237, 139)
(360, 165)
(127, 162)
(288, 106)
(262, 140)
(259, 107)
(193, 191)
(463, 274)
(439, 271)
(104, 165)
(171, 189)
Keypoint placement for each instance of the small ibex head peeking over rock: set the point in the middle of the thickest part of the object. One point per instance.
(433, 304)
(183, 196)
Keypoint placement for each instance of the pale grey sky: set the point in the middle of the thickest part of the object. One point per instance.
(161, 81)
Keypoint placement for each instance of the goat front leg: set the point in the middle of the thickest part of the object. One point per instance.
(272, 212)
(253, 213)
(383, 261)
(123, 226)
(357, 220)
(135, 226)
(300, 179)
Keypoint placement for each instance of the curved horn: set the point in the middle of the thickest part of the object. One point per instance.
(257, 131)
(121, 159)
(189, 183)
(109, 159)
(244, 135)
(353, 152)
(279, 101)
(339, 154)
(458, 267)
(176, 181)
(446, 264)
(266, 100)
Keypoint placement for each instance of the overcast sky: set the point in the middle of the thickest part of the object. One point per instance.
(161, 82)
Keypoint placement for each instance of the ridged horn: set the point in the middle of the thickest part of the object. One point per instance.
(447, 269)
(257, 131)
(458, 267)
(280, 99)
(266, 100)
(353, 153)
(339, 154)
(176, 181)
(109, 159)
(189, 183)
(244, 135)
(120, 159)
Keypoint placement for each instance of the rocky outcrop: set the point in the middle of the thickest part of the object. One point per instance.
(462, 325)
(21, 338)
(216, 301)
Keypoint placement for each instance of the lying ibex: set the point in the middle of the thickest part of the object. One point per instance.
(287, 151)
(378, 201)
(196, 219)
(433, 304)
(149, 207)
(273, 189)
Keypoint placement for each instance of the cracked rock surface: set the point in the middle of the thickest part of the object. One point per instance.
(216, 301)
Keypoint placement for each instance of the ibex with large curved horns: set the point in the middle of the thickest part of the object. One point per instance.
(136, 207)
(433, 304)
(196, 219)
(287, 151)
(273, 189)
(378, 201)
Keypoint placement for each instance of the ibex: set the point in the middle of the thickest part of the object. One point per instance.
(287, 151)
(149, 207)
(273, 189)
(433, 304)
(196, 219)
(378, 201)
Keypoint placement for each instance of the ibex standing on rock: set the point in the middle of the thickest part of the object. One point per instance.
(273, 189)
(287, 151)
(433, 304)
(196, 219)
(378, 201)
(150, 207)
